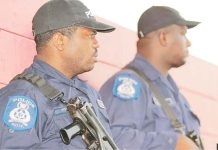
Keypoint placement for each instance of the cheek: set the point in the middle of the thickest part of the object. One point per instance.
(88, 50)
(72, 53)
(85, 54)
(179, 44)
(81, 50)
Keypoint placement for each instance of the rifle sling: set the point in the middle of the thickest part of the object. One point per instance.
(49, 91)
(177, 125)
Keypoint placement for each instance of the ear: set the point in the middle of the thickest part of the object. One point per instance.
(163, 38)
(58, 40)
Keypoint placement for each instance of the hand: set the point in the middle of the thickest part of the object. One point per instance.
(184, 143)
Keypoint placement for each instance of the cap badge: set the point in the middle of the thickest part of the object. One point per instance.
(89, 14)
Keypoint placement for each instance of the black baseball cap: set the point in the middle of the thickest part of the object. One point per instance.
(157, 17)
(57, 14)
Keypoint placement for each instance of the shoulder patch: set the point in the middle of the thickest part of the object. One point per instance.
(20, 113)
(126, 87)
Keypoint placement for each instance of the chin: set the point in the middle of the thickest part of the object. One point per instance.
(176, 65)
(89, 68)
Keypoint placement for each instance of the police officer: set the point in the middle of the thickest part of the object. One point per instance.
(138, 120)
(65, 37)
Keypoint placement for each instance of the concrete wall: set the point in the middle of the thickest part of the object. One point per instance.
(197, 79)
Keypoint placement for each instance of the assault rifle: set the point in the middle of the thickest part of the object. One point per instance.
(86, 124)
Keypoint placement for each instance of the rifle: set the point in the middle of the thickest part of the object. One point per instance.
(196, 139)
(86, 124)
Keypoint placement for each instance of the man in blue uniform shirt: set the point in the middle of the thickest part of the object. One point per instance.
(138, 120)
(64, 32)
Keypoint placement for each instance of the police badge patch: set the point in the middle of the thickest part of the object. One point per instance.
(126, 87)
(20, 113)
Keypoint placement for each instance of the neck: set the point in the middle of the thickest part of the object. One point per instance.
(56, 63)
(161, 67)
(156, 62)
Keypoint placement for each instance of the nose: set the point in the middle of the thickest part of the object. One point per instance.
(95, 43)
(188, 42)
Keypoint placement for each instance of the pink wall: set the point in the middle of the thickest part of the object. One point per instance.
(197, 79)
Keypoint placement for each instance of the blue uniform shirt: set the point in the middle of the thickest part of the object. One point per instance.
(137, 120)
(28, 120)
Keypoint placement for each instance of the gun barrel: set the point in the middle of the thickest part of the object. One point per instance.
(70, 131)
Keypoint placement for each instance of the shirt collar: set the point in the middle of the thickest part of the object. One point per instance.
(152, 73)
(141, 63)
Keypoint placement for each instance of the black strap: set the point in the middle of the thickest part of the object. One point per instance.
(177, 125)
(49, 91)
